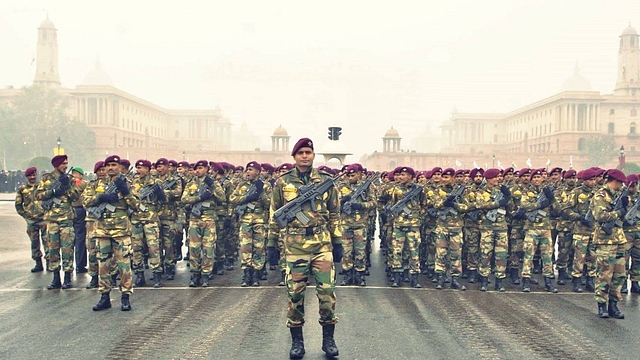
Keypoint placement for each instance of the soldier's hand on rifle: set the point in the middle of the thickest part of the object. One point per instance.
(337, 252)
(159, 193)
(503, 202)
(356, 206)
(206, 196)
(345, 199)
(107, 198)
(448, 202)
(548, 193)
(259, 186)
(64, 181)
(584, 221)
(504, 189)
(625, 201)
(122, 186)
(383, 217)
(57, 191)
(253, 197)
(208, 180)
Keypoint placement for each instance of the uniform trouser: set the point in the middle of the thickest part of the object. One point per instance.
(80, 232)
(534, 239)
(252, 245)
(516, 244)
(472, 244)
(145, 234)
(448, 244)
(493, 242)
(405, 241)
(321, 267)
(354, 245)
(430, 240)
(166, 244)
(92, 249)
(223, 249)
(583, 254)
(179, 234)
(610, 272)
(282, 262)
(61, 240)
(118, 250)
(232, 240)
(37, 230)
(633, 240)
(202, 241)
(565, 244)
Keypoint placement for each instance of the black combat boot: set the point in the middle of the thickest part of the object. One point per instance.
(328, 343)
(125, 304)
(104, 303)
(38, 267)
(576, 284)
(441, 279)
(484, 283)
(205, 280)
(361, 281)
(430, 273)
(414, 281)
(156, 280)
(548, 285)
(603, 313)
(282, 279)
(625, 289)
(262, 273)
(589, 286)
(255, 276)
(93, 283)
(405, 276)
(297, 343)
(473, 276)
(186, 257)
(246, 277)
(455, 284)
(515, 277)
(562, 276)
(526, 285)
(66, 284)
(229, 262)
(635, 287)
(171, 272)
(348, 278)
(195, 280)
(397, 279)
(219, 268)
(140, 280)
(55, 283)
(614, 312)
(498, 286)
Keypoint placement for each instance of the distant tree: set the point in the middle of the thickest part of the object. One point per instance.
(599, 150)
(34, 121)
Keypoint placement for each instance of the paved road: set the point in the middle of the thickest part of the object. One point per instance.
(229, 322)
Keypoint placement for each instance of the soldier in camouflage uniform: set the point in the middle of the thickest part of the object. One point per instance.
(609, 245)
(576, 209)
(554, 180)
(516, 237)
(251, 199)
(309, 248)
(632, 233)
(225, 251)
(182, 216)
(537, 230)
(112, 231)
(204, 193)
(472, 225)
(171, 186)
(57, 189)
(145, 223)
(79, 221)
(354, 227)
(32, 213)
(564, 226)
(92, 248)
(492, 201)
(430, 224)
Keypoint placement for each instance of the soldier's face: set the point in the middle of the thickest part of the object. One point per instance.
(508, 177)
(170, 168)
(101, 172)
(537, 179)
(616, 185)
(422, 179)
(555, 177)
(201, 170)
(142, 170)
(112, 168)
(589, 183)
(436, 177)
(32, 178)
(524, 179)
(123, 169)
(252, 173)
(459, 178)
(353, 178)
(63, 167)
(162, 169)
(76, 175)
(404, 177)
(478, 179)
(632, 188)
(447, 179)
(304, 157)
(493, 182)
(181, 170)
(571, 181)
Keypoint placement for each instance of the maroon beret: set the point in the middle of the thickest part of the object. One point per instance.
(616, 174)
(254, 164)
(428, 174)
(555, 169)
(508, 170)
(162, 161)
(435, 170)
(491, 173)
(267, 167)
(474, 171)
(112, 158)
(304, 142)
(192, 165)
(459, 172)
(204, 163)
(145, 163)
(239, 168)
(600, 172)
(58, 160)
(216, 167)
(569, 173)
(448, 171)
(390, 176)
(30, 171)
(588, 174)
(351, 169)
(580, 174)
(408, 170)
(173, 163)
(97, 166)
(523, 172)
(359, 167)
(632, 179)
(124, 162)
(396, 170)
(535, 172)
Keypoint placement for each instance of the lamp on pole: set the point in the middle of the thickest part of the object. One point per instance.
(58, 142)
(183, 155)
(621, 158)
(494, 161)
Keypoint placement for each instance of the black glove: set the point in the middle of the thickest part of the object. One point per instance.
(503, 202)
(448, 203)
(383, 217)
(450, 198)
(121, 184)
(259, 186)
(625, 201)
(272, 256)
(564, 215)
(623, 212)
(337, 252)
(253, 197)
(345, 199)
(206, 196)
(548, 193)
(584, 221)
(227, 223)
(105, 198)
(159, 193)
(504, 189)
(64, 181)
(545, 204)
(357, 206)
(519, 214)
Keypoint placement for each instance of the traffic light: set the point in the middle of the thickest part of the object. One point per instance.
(335, 132)
(330, 134)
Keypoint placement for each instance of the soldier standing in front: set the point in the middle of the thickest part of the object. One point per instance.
(27, 208)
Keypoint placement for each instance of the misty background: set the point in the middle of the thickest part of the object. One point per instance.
(365, 66)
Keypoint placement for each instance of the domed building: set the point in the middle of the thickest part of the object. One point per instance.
(280, 139)
(391, 141)
(97, 76)
(576, 82)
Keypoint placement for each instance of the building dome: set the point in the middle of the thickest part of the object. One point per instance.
(392, 133)
(576, 82)
(97, 76)
(47, 24)
(280, 131)
(629, 31)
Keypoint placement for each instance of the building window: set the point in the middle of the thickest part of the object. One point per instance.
(633, 41)
(612, 111)
(611, 128)
(581, 144)
(632, 128)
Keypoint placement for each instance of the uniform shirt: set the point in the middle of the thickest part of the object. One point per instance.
(562, 195)
(437, 199)
(471, 194)
(417, 206)
(190, 197)
(147, 210)
(61, 209)
(602, 209)
(168, 210)
(25, 203)
(358, 218)
(577, 206)
(486, 200)
(112, 223)
(529, 202)
(257, 211)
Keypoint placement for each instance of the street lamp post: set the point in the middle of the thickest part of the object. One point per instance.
(183, 155)
(493, 164)
(621, 158)
(58, 142)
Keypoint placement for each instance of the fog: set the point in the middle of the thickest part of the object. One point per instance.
(362, 65)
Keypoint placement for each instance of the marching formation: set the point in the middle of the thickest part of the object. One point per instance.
(446, 224)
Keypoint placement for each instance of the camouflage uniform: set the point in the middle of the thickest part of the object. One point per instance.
(493, 234)
(632, 232)
(168, 215)
(225, 251)
(565, 231)
(471, 233)
(145, 226)
(448, 232)
(429, 238)
(577, 206)
(92, 247)
(308, 248)
(112, 235)
(537, 233)
(516, 237)
(32, 213)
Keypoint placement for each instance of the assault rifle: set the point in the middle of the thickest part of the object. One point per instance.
(150, 189)
(457, 193)
(359, 192)
(196, 209)
(492, 215)
(588, 217)
(608, 226)
(56, 186)
(632, 215)
(293, 209)
(240, 210)
(531, 215)
(402, 205)
(97, 211)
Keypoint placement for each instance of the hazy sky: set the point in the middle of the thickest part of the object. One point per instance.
(364, 65)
